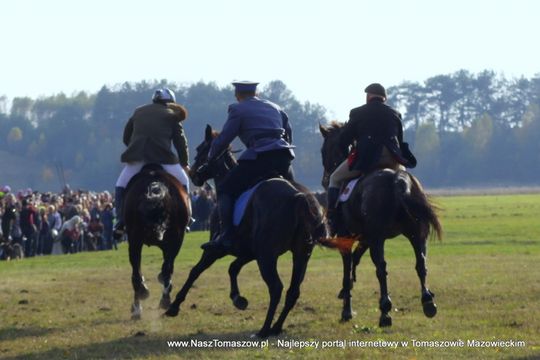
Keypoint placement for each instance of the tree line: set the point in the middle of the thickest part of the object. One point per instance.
(473, 129)
(466, 129)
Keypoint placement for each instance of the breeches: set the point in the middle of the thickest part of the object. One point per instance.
(131, 169)
(343, 173)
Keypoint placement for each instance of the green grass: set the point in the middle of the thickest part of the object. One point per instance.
(485, 274)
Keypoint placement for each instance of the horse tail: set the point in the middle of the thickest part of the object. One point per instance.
(311, 222)
(416, 203)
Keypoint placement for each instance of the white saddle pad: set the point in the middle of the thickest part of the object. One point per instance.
(347, 190)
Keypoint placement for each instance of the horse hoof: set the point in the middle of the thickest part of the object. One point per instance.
(347, 315)
(263, 334)
(172, 311)
(240, 302)
(275, 331)
(135, 316)
(385, 321)
(430, 309)
(165, 302)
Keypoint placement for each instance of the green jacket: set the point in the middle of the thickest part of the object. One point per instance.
(149, 132)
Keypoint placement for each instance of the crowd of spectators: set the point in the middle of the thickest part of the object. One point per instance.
(49, 223)
(72, 221)
(203, 202)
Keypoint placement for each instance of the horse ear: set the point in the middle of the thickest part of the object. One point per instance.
(324, 131)
(208, 133)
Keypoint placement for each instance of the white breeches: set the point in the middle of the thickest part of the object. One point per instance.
(131, 169)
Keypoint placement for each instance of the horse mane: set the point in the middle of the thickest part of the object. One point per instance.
(215, 134)
(334, 124)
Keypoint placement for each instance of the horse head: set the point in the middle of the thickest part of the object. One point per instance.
(202, 170)
(332, 153)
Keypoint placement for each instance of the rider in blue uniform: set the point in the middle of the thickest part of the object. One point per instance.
(265, 131)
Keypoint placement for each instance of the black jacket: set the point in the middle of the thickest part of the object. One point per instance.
(373, 126)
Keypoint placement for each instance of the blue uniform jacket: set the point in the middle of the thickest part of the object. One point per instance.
(260, 124)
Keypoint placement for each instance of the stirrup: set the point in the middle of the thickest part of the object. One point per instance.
(218, 243)
(191, 221)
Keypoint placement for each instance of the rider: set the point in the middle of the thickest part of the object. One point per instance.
(148, 135)
(378, 132)
(265, 130)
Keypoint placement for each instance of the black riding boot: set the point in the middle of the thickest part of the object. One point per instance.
(118, 230)
(225, 238)
(331, 213)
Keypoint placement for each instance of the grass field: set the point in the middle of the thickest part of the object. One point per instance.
(485, 274)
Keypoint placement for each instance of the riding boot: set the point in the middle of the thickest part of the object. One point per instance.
(191, 219)
(225, 238)
(118, 230)
(332, 213)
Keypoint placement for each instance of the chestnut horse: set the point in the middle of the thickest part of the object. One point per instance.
(156, 210)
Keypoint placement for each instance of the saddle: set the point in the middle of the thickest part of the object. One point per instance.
(150, 169)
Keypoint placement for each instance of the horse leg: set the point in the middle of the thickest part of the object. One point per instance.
(206, 260)
(170, 251)
(345, 293)
(239, 301)
(385, 304)
(420, 251)
(300, 262)
(268, 269)
(357, 255)
(137, 280)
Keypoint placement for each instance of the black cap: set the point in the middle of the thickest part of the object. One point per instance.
(376, 89)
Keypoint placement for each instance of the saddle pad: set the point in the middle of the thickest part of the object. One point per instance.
(347, 190)
(241, 204)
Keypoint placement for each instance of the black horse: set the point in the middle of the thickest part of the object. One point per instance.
(280, 217)
(156, 210)
(383, 205)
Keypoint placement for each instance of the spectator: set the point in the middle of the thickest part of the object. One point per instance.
(28, 227)
(9, 216)
(44, 232)
(107, 218)
(94, 234)
(70, 234)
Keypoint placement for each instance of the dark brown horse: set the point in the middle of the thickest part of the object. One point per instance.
(279, 217)
(156, 213)
(383, 205)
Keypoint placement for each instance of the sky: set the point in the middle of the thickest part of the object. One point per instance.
(325, 51)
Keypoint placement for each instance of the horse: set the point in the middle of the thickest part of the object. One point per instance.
(156, 212)
(383, 204)
(275, 201)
